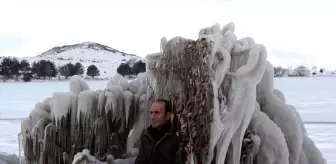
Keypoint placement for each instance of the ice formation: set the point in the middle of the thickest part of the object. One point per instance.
(226, 109)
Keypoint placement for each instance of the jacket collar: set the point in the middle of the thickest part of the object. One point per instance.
(169, 132)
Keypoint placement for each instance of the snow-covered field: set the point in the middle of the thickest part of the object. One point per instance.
(314, 98)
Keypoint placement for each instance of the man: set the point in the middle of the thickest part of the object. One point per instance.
(159, 143)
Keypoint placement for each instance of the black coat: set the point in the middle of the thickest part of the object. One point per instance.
(158, 148)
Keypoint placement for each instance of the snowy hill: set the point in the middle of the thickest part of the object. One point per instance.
(105, 58)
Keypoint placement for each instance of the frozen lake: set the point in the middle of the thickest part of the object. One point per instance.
(314, 98)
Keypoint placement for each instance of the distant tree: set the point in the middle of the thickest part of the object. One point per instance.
(290, 71)
(79, 69)
(301, 71)
(25, 66)
(44, 68)
(50, 69)
(67, 70)
(321, 71)
(314, 70)
(35, 68)
(124, 69)
(92, 71)
(9, 67)
(138, 67)
(279, 71)
(27, 76)
(26, 71)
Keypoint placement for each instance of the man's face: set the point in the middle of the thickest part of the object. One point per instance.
(158, 115)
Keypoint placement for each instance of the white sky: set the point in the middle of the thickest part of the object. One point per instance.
(294, 31)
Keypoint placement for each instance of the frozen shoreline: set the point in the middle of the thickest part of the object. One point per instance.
(9, 158)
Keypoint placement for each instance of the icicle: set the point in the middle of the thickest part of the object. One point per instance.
(61, 104)
(37, 134)
(163, 44)
(87, 103)
(139, 123)
(49, 144)
(134, 113)
(87, 110)
(101, 103)
(100, 138)
(111, 104)
(26, 126)
(128, 100)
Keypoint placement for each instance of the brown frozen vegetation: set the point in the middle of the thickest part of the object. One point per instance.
(225, 104)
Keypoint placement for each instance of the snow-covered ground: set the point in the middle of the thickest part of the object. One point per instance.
(314, 98)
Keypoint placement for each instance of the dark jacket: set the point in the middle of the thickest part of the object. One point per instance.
(158, 147)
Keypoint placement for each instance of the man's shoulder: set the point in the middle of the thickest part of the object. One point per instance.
(145, 132)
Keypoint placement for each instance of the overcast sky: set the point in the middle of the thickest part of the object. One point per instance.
(294, 31)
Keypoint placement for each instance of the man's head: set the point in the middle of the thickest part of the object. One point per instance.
(160, 113)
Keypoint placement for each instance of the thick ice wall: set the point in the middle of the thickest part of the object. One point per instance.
(281, 114)
(247, 66)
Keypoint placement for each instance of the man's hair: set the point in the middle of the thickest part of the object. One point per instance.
(167, 105)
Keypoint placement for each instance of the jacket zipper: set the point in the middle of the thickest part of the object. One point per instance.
(156, 144)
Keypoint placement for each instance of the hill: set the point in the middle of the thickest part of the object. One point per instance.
(107, 59)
